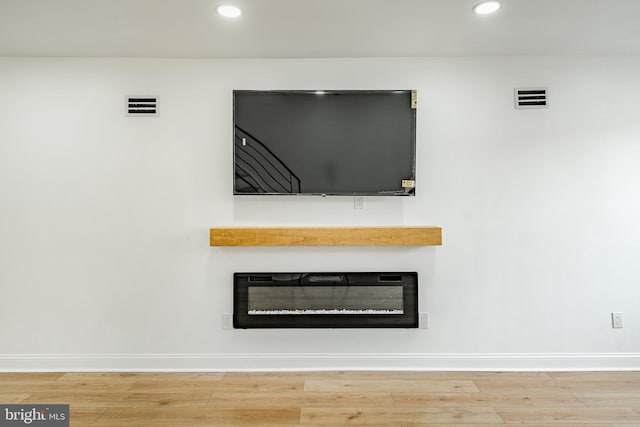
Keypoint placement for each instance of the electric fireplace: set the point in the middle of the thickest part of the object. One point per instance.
(325, 300)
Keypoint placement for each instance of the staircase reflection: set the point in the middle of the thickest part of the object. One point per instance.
(259, 170)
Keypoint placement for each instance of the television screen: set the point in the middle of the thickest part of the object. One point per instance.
(324, 142)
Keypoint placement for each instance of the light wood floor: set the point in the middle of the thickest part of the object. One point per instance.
(400, 399)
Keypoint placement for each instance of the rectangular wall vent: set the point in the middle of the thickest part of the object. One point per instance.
(142, 106)
(531, 97)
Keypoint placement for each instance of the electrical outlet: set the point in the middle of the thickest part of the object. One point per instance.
(358, 202)
(616, 320)
(424, 320)
(227, 321)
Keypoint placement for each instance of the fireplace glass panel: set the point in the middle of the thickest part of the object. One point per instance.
(325, 299)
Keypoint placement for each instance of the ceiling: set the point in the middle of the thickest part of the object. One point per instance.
(316, 28)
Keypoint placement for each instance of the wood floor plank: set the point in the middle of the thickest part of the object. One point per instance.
(495, 385)
(190, 416)
(284, 399)
(32, 376)
(521, 398)
(30, 386)
(602, 386)
(253, 424)
(513, 425)
(598, 382)
(595, 375)
(471, 376)
(175, 386)
(326, 375)
(11, 398)
(165, 400)
(610, 400)
(123, 400)
(81, 417)
(425, 415)
(141, 376)
(557, 415)
(141, 423)
(263, 382)
(393, 386)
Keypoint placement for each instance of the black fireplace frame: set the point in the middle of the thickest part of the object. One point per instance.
(243, 281)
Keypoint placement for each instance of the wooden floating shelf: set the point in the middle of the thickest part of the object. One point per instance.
(327, 236)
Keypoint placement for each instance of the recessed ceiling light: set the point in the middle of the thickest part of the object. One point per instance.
(486, 7)
(229, 11)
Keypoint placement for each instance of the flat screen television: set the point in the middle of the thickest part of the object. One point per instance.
(345, 143)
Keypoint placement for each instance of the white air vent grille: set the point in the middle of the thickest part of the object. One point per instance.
(531, 97)
(142, 106)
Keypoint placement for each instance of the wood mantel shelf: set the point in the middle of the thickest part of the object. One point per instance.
(326, 236)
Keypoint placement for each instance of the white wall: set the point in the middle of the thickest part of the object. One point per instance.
(104, 256)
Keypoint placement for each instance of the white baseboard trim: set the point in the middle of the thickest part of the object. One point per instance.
(318, 362)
